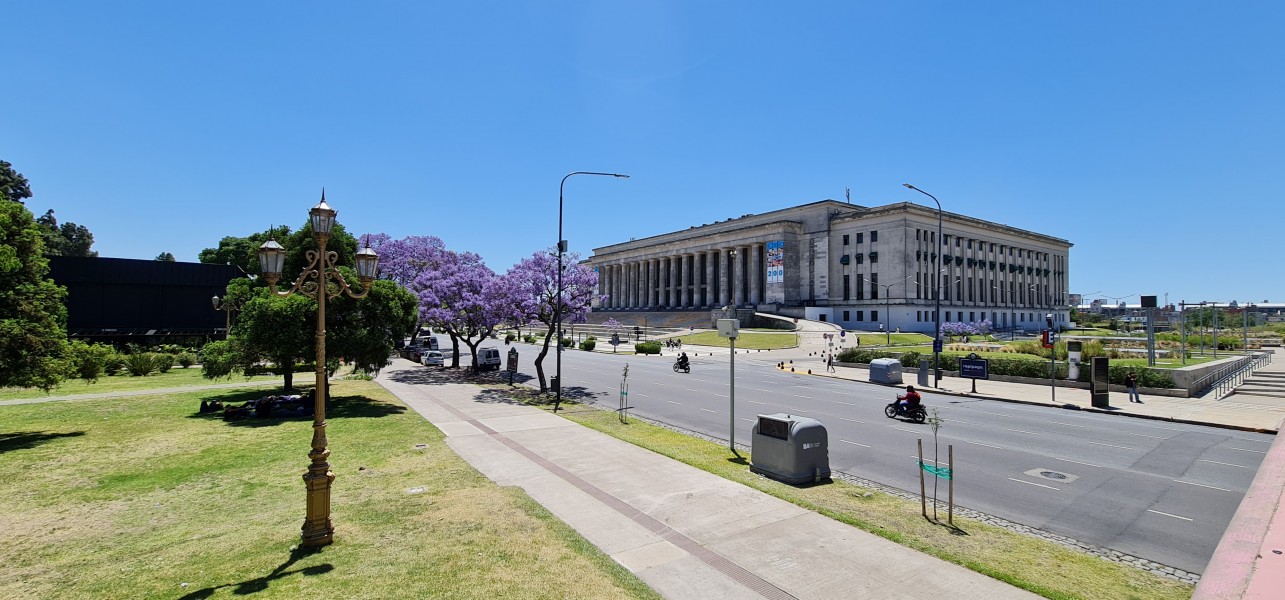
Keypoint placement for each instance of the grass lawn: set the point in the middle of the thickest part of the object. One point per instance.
(124, 382)
(143, 498)
(898, 339)
(1040, 566)
(746, 341)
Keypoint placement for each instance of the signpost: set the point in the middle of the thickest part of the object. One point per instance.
(513, 364)
(728, 328)
(974, 368)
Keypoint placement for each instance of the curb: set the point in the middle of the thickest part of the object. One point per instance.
(1069, 406)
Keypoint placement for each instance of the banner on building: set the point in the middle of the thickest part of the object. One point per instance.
(776, 262)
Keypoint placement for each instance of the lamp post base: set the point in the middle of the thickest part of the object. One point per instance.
(318, 530)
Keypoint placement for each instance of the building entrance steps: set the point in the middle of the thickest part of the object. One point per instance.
(685, 532)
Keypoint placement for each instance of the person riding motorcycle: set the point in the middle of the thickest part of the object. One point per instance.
(908, 400)
(682, 360)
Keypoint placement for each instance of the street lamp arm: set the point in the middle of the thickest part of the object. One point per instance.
(311, 279)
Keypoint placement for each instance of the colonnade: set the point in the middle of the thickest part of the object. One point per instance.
(732, 275)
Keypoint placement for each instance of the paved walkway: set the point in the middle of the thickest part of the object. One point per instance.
(683, 531)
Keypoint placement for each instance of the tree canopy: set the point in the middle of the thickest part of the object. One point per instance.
(12, 184)
(531, 296)
(67, 239)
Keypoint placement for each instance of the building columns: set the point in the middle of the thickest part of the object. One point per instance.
(756, 274)
(709, 279)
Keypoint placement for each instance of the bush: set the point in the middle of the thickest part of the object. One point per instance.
(528, 338)
(568, 342)
(647, 348)
(509, 337)
(163, 362)
(186, 359)
(588, 344)
(140, 364)
(219, 359)
(910, 360)
(88, 361)
(857, 355)
(114, 362)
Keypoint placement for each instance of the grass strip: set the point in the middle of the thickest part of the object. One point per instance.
(745, 341)
(124, 382)
(113, 498)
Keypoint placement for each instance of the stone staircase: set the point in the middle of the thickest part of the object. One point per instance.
(1263, 383)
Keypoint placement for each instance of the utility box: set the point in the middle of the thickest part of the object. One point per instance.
(885, 370)
(790, 449)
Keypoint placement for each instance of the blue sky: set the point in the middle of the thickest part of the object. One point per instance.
(1149, 134)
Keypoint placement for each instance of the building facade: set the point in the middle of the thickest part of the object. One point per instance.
(862, 268)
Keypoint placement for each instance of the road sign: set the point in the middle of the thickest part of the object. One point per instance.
(974, 368)
(937, 346)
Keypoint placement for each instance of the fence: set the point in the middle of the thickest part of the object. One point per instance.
(1224, 380)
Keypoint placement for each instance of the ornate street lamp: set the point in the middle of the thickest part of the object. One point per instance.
(227, 306)
(317, 528)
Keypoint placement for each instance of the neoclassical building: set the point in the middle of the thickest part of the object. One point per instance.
(860, 267)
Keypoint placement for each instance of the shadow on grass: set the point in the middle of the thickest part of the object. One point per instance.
(25, 440)
(339, 407)
(258, 584)
(463, 374)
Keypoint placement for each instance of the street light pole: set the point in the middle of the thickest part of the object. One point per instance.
(936, 291)
(557, 308)
(317, 527)
(887, 306)
(227, 306)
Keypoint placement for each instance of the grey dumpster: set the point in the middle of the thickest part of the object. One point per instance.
(885, 370)
(790, 449)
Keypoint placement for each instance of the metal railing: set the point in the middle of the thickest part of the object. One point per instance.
(1221, 382)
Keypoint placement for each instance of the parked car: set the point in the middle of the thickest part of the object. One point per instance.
(431, 358)
(413, 352)
(488, 359)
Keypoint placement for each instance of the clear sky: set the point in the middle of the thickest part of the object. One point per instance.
(1149, 134)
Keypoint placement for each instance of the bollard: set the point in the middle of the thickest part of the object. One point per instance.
(809, 371)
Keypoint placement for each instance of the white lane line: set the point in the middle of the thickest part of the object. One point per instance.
(906, 430)
(1247, 450)
(1038, 484)
(1078, 462)
(1169, 515)
(691, 390)
(1068, 424)
(758, 390)
(851, 404)
(750, 420)
(981, 444)
(1154, 437)
(958, 421)
(1221, 463)
(853, 420)
(1204, 486)
(672, 402)
(707, 410)
(1111, 445)
(719, 395)
(798, 396)
(854, 443)
(641, 395)
(1021, 431)
(927, 460)
(755, 402)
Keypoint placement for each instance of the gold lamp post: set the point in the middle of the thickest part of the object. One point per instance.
(317, 528)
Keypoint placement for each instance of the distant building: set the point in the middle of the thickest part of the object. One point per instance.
(121, 300)
(856, 266)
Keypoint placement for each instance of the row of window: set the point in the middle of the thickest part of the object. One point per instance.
(926, 316)
(931, 236)
(874, 315)
(874, 237)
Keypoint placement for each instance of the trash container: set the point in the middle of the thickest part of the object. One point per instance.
(553, 383)
(790, 449)
(885, 370)
(923, 372)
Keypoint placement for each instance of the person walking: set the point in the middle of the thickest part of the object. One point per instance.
(1131, 382)
(829, 363)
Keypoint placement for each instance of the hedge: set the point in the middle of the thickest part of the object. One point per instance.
(1016, 367)
(647, 348)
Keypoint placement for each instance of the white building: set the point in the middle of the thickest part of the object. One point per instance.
(859, 267)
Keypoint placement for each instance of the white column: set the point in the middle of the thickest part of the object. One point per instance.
(756, 274)
(671, 283)
(724, 277)
(738, 276)
(709, 278)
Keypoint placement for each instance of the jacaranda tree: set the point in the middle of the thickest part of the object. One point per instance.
(530, 295)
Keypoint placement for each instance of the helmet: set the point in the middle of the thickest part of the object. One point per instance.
(910, 388)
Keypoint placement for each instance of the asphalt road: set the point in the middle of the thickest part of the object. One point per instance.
(1157, 490)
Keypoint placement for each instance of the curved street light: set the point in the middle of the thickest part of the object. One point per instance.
(228, 307)
(936, 291)
(557, 308)
(317, 527)
(887, 306)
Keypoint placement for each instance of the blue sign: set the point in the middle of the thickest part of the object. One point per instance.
(974, 368)
(842, 333)
(937, 346)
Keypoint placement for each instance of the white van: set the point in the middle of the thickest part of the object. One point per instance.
(488, 359)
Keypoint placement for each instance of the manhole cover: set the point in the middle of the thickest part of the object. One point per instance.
(1053, 475)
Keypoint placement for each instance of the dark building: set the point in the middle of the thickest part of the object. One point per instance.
(121, 300)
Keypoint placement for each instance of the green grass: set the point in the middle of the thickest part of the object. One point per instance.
(1031, 563)
(124, 382)
(142, 498)
(747, 341)
(897, 339)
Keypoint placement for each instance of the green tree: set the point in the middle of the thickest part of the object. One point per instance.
(278, 329)
(242, 252)
(363, 331)
(12, 184)
(165, 257)
(68, 239)
(33, 317)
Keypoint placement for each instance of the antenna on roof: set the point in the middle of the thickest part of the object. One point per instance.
(847, 193)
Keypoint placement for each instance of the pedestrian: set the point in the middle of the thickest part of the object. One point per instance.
(829, 363)
(1131, 382)
(858, 340)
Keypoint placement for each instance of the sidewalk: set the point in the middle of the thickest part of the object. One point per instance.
(685, 532)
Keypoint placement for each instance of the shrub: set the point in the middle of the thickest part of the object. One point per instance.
(857, 355)
(568, 342)
(219, 359)
(588, 344)
(509, 337)
(163, 362)
(186, 359)
(647, 348)
(910, 360)
(88, 361)
(528, 338)
(114, 362)
(140, 364)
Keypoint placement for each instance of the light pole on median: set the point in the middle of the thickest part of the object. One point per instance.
(312, 282)
(887, 306)
(936, 291)
(557, 307)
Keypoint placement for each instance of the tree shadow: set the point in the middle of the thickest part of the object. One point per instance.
(336, 408)
(258, 584)
(952, 528)
(25, 440)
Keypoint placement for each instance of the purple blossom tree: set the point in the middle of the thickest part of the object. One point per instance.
(461, 297)
(404, 261)
(530, 296)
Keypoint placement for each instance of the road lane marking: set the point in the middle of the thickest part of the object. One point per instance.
(981, 444)
(1205, 486)
(641, 395)
(1038, 484)
(691, 390)
(854, 443)
(1067, 424)
(707, 410)
(750, 420)
(1154, 437)
(1169, 515)
(851, 404)
(853, 420)
(1247, 450)
(755, 402)
(1021, 431)
(798, 396)
(1221, 463)
(901, 429)
(1111, 445)
(719, 395)
(672, 402)
(1078, 462)
(927, 460)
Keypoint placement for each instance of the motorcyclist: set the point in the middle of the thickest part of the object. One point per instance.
(682, 360)
(908, 400)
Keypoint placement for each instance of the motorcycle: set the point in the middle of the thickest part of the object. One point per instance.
(685, 368)
(916, 414)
